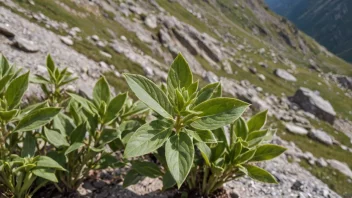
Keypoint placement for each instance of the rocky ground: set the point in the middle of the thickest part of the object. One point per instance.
(26, 37)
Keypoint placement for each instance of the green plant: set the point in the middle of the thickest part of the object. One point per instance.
(189, 119)
(20, 166)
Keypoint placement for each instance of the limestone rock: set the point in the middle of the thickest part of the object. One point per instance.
(67, 40)
(151, 21)
(6, 31)
(321, 136)
(340, 166)
(296, 129)
(313, 103)
(26, 45)
(285, 75)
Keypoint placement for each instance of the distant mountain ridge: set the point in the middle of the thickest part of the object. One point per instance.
(327, 21)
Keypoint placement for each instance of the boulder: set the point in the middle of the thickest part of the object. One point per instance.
(345, 81)
(211, 77)
(340, 166)
(296, 129)
(151, 21)
(5, 30)
(67, 40)
(26, 45)
(321, 136)
(285, 75)
(261, 77)
(311, 102)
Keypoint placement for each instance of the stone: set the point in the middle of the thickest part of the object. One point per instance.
(67, 40)
(261, 51)
(95, 38)
(321, 162)
(103, 64)
(321, 136)
(297, 185)
(107, 55)
(6, 31)
(26, 45)
(345, 81)
(340, 166)
(262, 64)
(261, 77)
(151, 21)
(285, 75)
(296, 129)
(211, 77)
(311, 102)
(123, 38)
(227, 67)
(253, 70)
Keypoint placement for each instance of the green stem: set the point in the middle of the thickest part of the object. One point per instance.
(205, 179)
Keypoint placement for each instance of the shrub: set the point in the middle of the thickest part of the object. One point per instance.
(188, 120)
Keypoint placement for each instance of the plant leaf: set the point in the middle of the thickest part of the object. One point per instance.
(29, 145)
(101, 91)
(150, 94)
(148, 138)
(268, 152)
(73, 147)
(240, 129)
(86, 104)
(180, 74)
(131, 178)
(202, 136)
(45, 174)
(179, 152)
(114, 107)
(15, 90)
(55, 138)
(78, 133)
(206, 92)
(47, 162)
(36, 119)
(147, 169)
(218, 112)
(50, 65)
(168, 181)
(245, 157)
(259, 174)
(205, 151)
(257, 121)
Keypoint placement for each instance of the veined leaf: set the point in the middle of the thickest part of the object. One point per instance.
(73, 147)
(257, 121)
(50, 65)
(47, 162)
(131, 178)
(205, 151)
(202, 136)
(15, 90)
(78, 133)
(101, 91)
(114, 107)
(55, 138)
(150, 94)
(240, 129)
(36, 119)
(8, 115)
(257, 134)
(259, 174)
(180, 74)
(147, 169)
(45, 173)
(243, 158)
(218, 112)
(206, 92)
(179, 152)
(86, 104)
(29, 145)
(268, 152)
(148, 138)
(168, 181)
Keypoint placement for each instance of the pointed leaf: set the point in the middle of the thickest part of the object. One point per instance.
(179, 152)
(240, 129)
(148, 138)
(36, 119)
(268, 152)
(259, 174)
(131, 178)
(78, 133)
(73, 147)
(114, 107)
(45, 174)
(257, 121)
(55, 138)
(47, 162)
(168, 181)
(147, 169)
(180, 74)
(218, 112)
(205, 151)
(245, 157)
(101, 91)
(15, 90)
(50, 65)
(150, 94)
(29, 145)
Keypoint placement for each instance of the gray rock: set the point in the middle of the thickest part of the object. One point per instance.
(6, 31)
(26, 45)
(298, 186)
(261, 77)
(107, 55)
(313, 103)
(321, 136)
(285, 75)
(211, 77)
(296, 129)
(340, 166)
(321, 162)
(151, 21)
(95, 38)
(67, 40)
(253, 70)
(345, 81)
(263, 64)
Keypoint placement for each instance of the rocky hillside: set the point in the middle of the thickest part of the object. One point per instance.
(258, 57)
(326, 21)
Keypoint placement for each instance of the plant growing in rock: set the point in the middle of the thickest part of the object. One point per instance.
(234, 157)
(185, 115)
(79, 136)
(20, 163)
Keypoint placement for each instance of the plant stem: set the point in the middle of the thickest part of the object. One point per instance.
(205, 179)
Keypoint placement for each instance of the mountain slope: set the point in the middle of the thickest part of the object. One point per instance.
(240, 43)
(326, 21)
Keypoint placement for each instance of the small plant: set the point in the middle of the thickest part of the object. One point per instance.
(232, 158)
(189, 119)
(20, 164)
